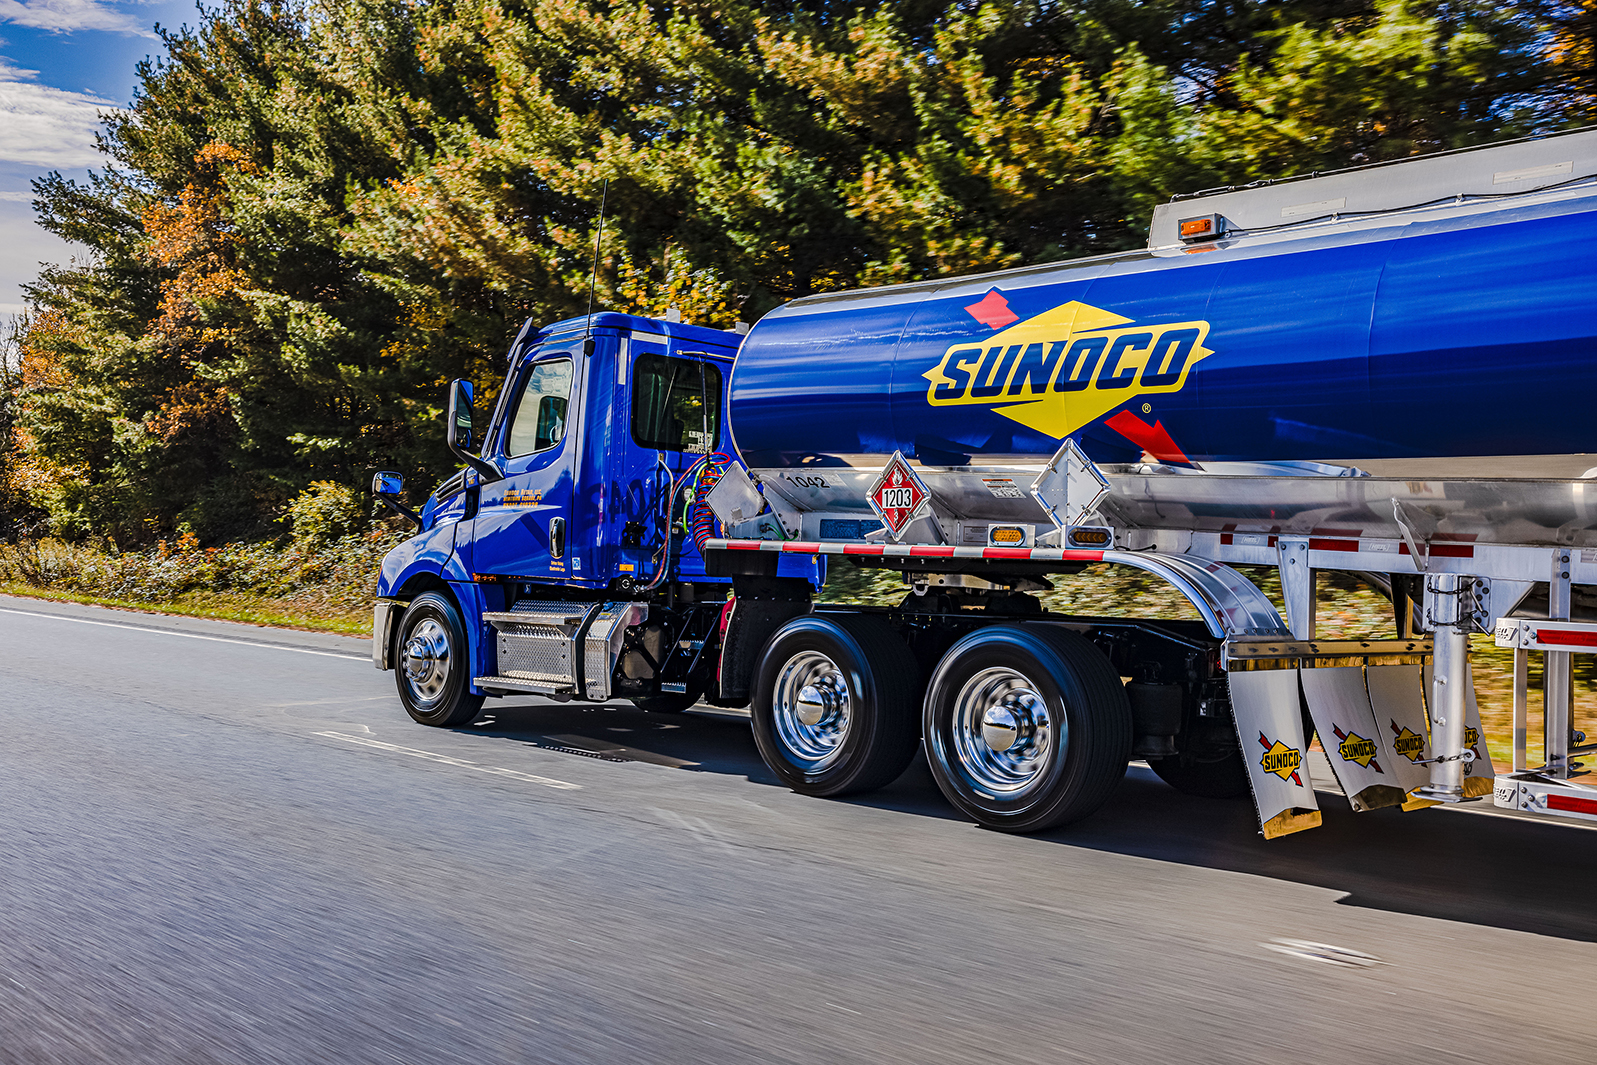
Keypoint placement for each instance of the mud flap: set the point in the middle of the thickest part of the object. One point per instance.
(1348, 731)
(1398, 699)
(1265, 706)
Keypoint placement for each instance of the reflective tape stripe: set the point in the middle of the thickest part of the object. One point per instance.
(796, 547)
(1570, 804)
(1572, 637)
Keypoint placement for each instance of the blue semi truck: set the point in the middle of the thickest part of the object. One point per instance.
(1385, 372)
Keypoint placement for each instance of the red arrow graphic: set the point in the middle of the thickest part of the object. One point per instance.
(1151, 438)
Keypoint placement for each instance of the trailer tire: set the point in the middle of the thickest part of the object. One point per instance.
(432, 664)
(834, 708)
(1026, 727)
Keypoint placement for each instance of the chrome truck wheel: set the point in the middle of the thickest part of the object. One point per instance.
(431, 664)
(834, 704)
(810, 710)
(1003, 732)
(1026, 727)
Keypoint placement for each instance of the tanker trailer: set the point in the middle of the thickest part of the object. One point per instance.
(1384, 371)
(1381, 372)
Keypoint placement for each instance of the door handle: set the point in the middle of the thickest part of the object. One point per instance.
(557, 538)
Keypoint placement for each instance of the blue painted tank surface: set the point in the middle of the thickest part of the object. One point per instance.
(1470, 333)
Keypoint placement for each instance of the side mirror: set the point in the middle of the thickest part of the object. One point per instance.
(458, 431)
(460, 415)
(386, 486)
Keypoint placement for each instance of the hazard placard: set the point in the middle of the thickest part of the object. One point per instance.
(898, 496)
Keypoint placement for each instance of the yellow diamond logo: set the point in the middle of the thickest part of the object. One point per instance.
(1060, 370)
(1407, 743)
(1280, 759)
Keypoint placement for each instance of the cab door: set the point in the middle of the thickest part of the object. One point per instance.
(523, 522)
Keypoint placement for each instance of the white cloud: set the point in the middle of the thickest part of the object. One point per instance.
(16, 197)
(26, 244)
(66, 16)
(45, 126)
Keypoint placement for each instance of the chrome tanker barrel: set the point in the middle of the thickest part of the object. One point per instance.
(1401, 340)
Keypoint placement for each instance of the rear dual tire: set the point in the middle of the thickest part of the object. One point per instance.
(834, 707)
(1026, 727)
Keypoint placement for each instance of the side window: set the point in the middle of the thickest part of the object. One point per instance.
(676, 404)
(540, 420)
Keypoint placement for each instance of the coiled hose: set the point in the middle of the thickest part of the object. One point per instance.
(711, 469)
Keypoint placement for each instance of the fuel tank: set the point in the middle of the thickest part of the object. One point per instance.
(1448, 339)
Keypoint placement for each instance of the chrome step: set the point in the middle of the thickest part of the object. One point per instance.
(522, 684)
(538, 643)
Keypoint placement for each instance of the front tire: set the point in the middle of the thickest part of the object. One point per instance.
(432, 664)
(1026, 727)
(834, 704)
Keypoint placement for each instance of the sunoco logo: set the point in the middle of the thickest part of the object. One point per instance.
(1356, 749)
(1060, 370)
(1407, 742)
(1280, 759)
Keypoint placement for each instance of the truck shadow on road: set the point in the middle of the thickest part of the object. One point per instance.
(1451, 864)
(1454, 865)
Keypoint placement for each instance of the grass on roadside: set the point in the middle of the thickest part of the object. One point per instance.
(222, 606)
(324, 586)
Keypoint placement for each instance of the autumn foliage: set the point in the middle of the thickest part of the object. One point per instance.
(315, 214)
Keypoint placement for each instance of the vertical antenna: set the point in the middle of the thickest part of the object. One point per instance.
(587, 339)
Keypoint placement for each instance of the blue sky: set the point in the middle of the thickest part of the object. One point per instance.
(62, 62)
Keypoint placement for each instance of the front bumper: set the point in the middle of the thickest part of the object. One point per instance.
(385, 614)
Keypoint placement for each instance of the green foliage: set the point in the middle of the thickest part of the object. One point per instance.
(317, 212)
(326, 512)
(328, 579)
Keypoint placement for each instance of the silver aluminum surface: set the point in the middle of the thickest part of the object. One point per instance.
(537, 640)
(425, 661)
(1511, 511)
(1444, 599)
(602, 645)
(1004, 734)
(384, 613)
(812, 710)
(1442, 183)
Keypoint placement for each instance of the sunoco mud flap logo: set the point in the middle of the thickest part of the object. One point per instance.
(1355, 748)
(1280, 759)
(1407, 742)
(1060, 370)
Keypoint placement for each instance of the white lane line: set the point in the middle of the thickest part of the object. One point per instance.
(1322, 952)
(548, 782)
(186, 635)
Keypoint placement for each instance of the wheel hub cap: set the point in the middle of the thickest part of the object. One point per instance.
(814, 704)
(812, 709)
(1004, 734)
(1000, 727)
(425, 660)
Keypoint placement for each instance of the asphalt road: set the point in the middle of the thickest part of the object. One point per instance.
(221, 843)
